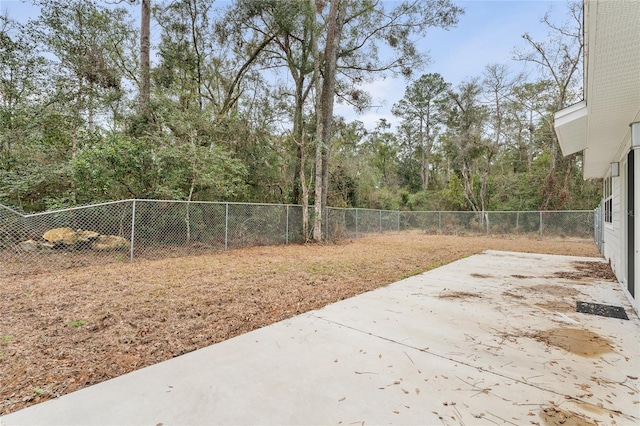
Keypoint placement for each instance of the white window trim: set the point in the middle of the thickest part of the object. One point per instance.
(607, 195)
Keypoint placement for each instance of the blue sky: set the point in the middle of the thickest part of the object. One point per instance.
(488, 33)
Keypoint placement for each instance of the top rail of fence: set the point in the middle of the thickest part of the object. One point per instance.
(145, 200)
(148, 200)
(12, 210)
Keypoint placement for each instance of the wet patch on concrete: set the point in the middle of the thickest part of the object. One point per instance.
(601, 310)
(580, 342)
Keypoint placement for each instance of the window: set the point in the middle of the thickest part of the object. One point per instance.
(608, 200)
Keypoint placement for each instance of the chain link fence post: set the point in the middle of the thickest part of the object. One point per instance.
(226, 226)
(133, 229)
(356, 223)
(287, 227)
(325, 225)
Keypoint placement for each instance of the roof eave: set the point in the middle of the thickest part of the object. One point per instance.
(571, 128)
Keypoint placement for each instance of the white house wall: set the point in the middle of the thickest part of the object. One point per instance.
(615, 233)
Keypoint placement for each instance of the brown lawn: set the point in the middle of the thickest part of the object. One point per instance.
(62, 331)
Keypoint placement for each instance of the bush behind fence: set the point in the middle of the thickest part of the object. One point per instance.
(146, 229)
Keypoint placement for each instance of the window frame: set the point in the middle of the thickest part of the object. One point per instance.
(607, 189)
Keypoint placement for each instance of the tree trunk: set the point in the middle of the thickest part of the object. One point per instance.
(549, 186)
(145, 83)
(305, 195)
(467, 181)
(298, 132)
(325, 113)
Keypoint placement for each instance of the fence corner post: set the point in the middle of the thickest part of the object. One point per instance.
(133, 230)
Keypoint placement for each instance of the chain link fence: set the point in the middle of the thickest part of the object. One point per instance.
(149, 229)
(566, 224)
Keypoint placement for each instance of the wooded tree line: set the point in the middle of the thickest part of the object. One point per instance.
(235, 103)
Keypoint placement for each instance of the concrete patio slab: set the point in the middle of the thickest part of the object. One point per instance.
(490, 339)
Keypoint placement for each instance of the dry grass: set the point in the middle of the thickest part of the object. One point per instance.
(62, 331)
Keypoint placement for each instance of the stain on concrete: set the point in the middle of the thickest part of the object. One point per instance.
(556, 306)
(580, 342)
(552, 290)
(556, 416)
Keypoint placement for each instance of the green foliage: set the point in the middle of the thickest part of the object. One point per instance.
(115, 167)
(218, 129)
(383, 199)
(452, 197)
(134, 168)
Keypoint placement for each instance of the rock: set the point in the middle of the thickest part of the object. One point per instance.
(67, 237)
(46, 246)
(28, 246)
(61, 236)
(31, 246)
(70, 239)
(110, 242)
(86, 236)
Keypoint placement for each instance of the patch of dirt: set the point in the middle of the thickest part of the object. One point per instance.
(553, 290)
(458, 295)
(481, 275)
(557, 306)
(580, 342)
(512, 294)
(68, 329)
(589, 270)
(522, 277)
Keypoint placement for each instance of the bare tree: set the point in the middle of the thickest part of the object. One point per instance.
(558, 58)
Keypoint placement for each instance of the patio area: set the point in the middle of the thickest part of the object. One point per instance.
(494, 338)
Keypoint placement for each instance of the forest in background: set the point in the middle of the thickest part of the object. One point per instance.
(93, 110)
